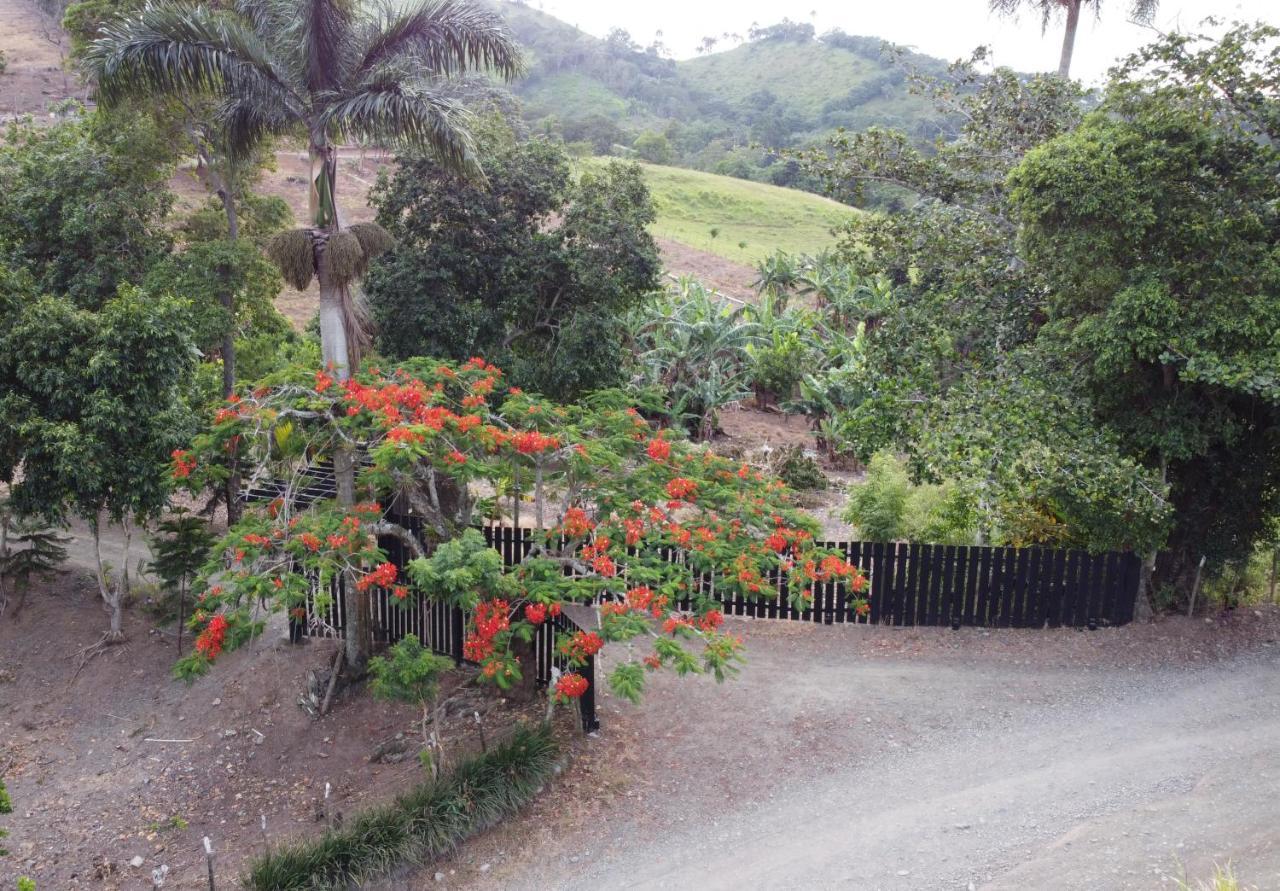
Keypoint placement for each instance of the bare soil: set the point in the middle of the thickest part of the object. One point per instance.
(118, 760)
(35, 49)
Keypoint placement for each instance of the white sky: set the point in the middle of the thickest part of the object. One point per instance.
(944, 28)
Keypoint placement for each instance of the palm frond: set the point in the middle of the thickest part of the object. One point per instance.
(398, 114)
(169, 49)
(446, 37)
(325, 29)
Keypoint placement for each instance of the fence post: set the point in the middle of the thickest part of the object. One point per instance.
(456, 634)
(587, 702)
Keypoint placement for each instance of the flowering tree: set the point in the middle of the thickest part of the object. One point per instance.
(612, 498)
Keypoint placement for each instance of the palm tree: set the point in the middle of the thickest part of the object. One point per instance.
(323, 70)
(1139, 10)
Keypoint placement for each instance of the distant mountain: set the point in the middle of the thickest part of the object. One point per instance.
(781, 88)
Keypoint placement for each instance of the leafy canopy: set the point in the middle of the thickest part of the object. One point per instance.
(533, 268)
(611, 496)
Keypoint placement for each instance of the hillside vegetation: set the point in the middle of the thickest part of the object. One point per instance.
(725, 111)
(750, 219)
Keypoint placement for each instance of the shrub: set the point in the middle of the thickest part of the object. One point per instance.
(798, 470)
(887, 506)
(423, 824)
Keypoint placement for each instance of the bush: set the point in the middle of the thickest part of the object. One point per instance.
(424, 824)
(798, 470)
(887, 506)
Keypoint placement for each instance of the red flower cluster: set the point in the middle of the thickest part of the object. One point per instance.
(659, 449)
(576, 523)
(682, 489)
(184, 463)
(309, 541)
(405, 436)
(209, 641)
(492, 617)
(582, 645)
(531, 442)
(536, 613)
(571, 685)
(383, 576)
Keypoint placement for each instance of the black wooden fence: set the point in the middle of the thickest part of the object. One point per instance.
(442, 628)
(910, 584)
(922, 584)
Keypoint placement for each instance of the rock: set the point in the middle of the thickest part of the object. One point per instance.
(439, 877)
(216, 702)
(962, 825)
(137, 861)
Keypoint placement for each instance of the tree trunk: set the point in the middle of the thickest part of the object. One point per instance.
(110, 598)
(1069, 37)
(227, 298)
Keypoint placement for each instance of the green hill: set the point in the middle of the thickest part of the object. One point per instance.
(751, 219)
(726, 112)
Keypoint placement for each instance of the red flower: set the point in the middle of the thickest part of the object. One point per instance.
(576, 523)
(383, 576)
(659, 449)
(183, 463)
(456, 457)
(682, 489)
(571, 685)
(536, 613)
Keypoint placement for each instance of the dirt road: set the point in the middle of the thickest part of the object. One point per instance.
(1105, 792)
(1094, 770)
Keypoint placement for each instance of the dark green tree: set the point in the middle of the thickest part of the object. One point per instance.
(534, 270)
(1156, 226)
(91, 408)
(85, 202)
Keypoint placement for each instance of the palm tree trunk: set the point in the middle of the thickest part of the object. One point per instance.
(232, 489)
(1069, 37)
(335, 351)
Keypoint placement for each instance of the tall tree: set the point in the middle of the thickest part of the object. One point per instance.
(1139, 10)
(328, 70)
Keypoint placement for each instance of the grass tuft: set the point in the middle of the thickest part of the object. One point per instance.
(421, 825)
(293, 253)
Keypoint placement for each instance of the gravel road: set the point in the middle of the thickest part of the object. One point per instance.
(1106, 789)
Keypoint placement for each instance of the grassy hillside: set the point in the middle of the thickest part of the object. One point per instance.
(752, 219)
(727, 111)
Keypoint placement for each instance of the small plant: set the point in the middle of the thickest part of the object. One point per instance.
(798, 470)
(1224, 879)
(180, 550)
(411, 673)
(172, 823)
(4, 62)
(695, 347)
(887, 506)
(28, 549)
(6, 807)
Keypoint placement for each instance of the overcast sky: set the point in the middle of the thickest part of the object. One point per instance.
(945, 28)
